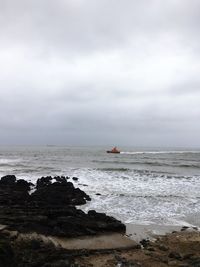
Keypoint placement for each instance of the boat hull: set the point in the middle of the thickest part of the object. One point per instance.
(113, 152)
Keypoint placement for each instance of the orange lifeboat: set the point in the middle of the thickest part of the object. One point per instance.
(114, 150)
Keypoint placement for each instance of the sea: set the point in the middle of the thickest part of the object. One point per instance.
(138, 186)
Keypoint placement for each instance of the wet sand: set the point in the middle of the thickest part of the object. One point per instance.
(138, 232)
(110, 241)
(177, 249)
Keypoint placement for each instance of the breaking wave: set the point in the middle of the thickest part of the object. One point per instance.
(134, 186)
(160, 152)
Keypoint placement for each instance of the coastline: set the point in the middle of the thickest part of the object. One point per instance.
(176, 249)
(45, 228)
(137, 232)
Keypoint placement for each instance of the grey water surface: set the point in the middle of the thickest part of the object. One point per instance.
(139, 185)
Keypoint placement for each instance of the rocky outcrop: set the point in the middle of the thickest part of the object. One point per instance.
(32, 253)
(50, 209)
(59, 192)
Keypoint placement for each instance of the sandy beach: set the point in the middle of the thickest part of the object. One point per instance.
(138, 232)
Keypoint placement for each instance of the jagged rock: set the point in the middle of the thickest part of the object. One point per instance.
(29, 253)
(43, 181)
(58, 193)
(8, 180)
(50, 209)
(24, 185)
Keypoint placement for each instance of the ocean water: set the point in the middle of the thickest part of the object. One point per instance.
(141, 186)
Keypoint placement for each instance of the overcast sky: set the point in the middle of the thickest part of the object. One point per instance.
(100, 72)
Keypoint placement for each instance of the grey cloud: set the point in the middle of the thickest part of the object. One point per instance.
(187, 87)
(92, 25)
(97, 72)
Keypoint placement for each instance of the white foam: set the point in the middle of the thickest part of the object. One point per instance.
(135, 196)
(141, 197)
(159, 152)
(8, 160)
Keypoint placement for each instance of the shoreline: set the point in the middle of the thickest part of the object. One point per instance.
(176, 249)
(44, 228)
(137, 232)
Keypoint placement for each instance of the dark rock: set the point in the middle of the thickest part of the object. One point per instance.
(98, 194)
(13, 192)
(37, 253)
(6, 253)
(145, 242)
(60, 192)
(184, 228)
(24, 185)
(75, 178)
(50, 209)
(43, 181)
(61, 179)
(175, 255)
(8, 180)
